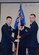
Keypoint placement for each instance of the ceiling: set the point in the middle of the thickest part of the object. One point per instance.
(19, 0)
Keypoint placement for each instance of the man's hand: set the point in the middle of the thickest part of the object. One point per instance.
(17, 40)
(18, 37)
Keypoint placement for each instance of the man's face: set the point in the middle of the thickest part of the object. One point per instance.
(32, 19)
(9, 21)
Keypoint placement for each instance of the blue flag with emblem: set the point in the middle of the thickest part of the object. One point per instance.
(22, 17)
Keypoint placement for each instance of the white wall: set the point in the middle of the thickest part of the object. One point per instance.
(12, 10)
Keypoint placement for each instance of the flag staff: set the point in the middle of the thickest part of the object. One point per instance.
(18, 37)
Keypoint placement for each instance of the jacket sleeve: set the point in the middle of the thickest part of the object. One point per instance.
(32, 30)
(15, 31)
(4, 30)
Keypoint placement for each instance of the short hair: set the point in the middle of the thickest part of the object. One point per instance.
(33, 15)
(8, 17)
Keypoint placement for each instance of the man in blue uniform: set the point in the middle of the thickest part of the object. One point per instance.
(7, 39)
(22, 42)
(31, 35)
